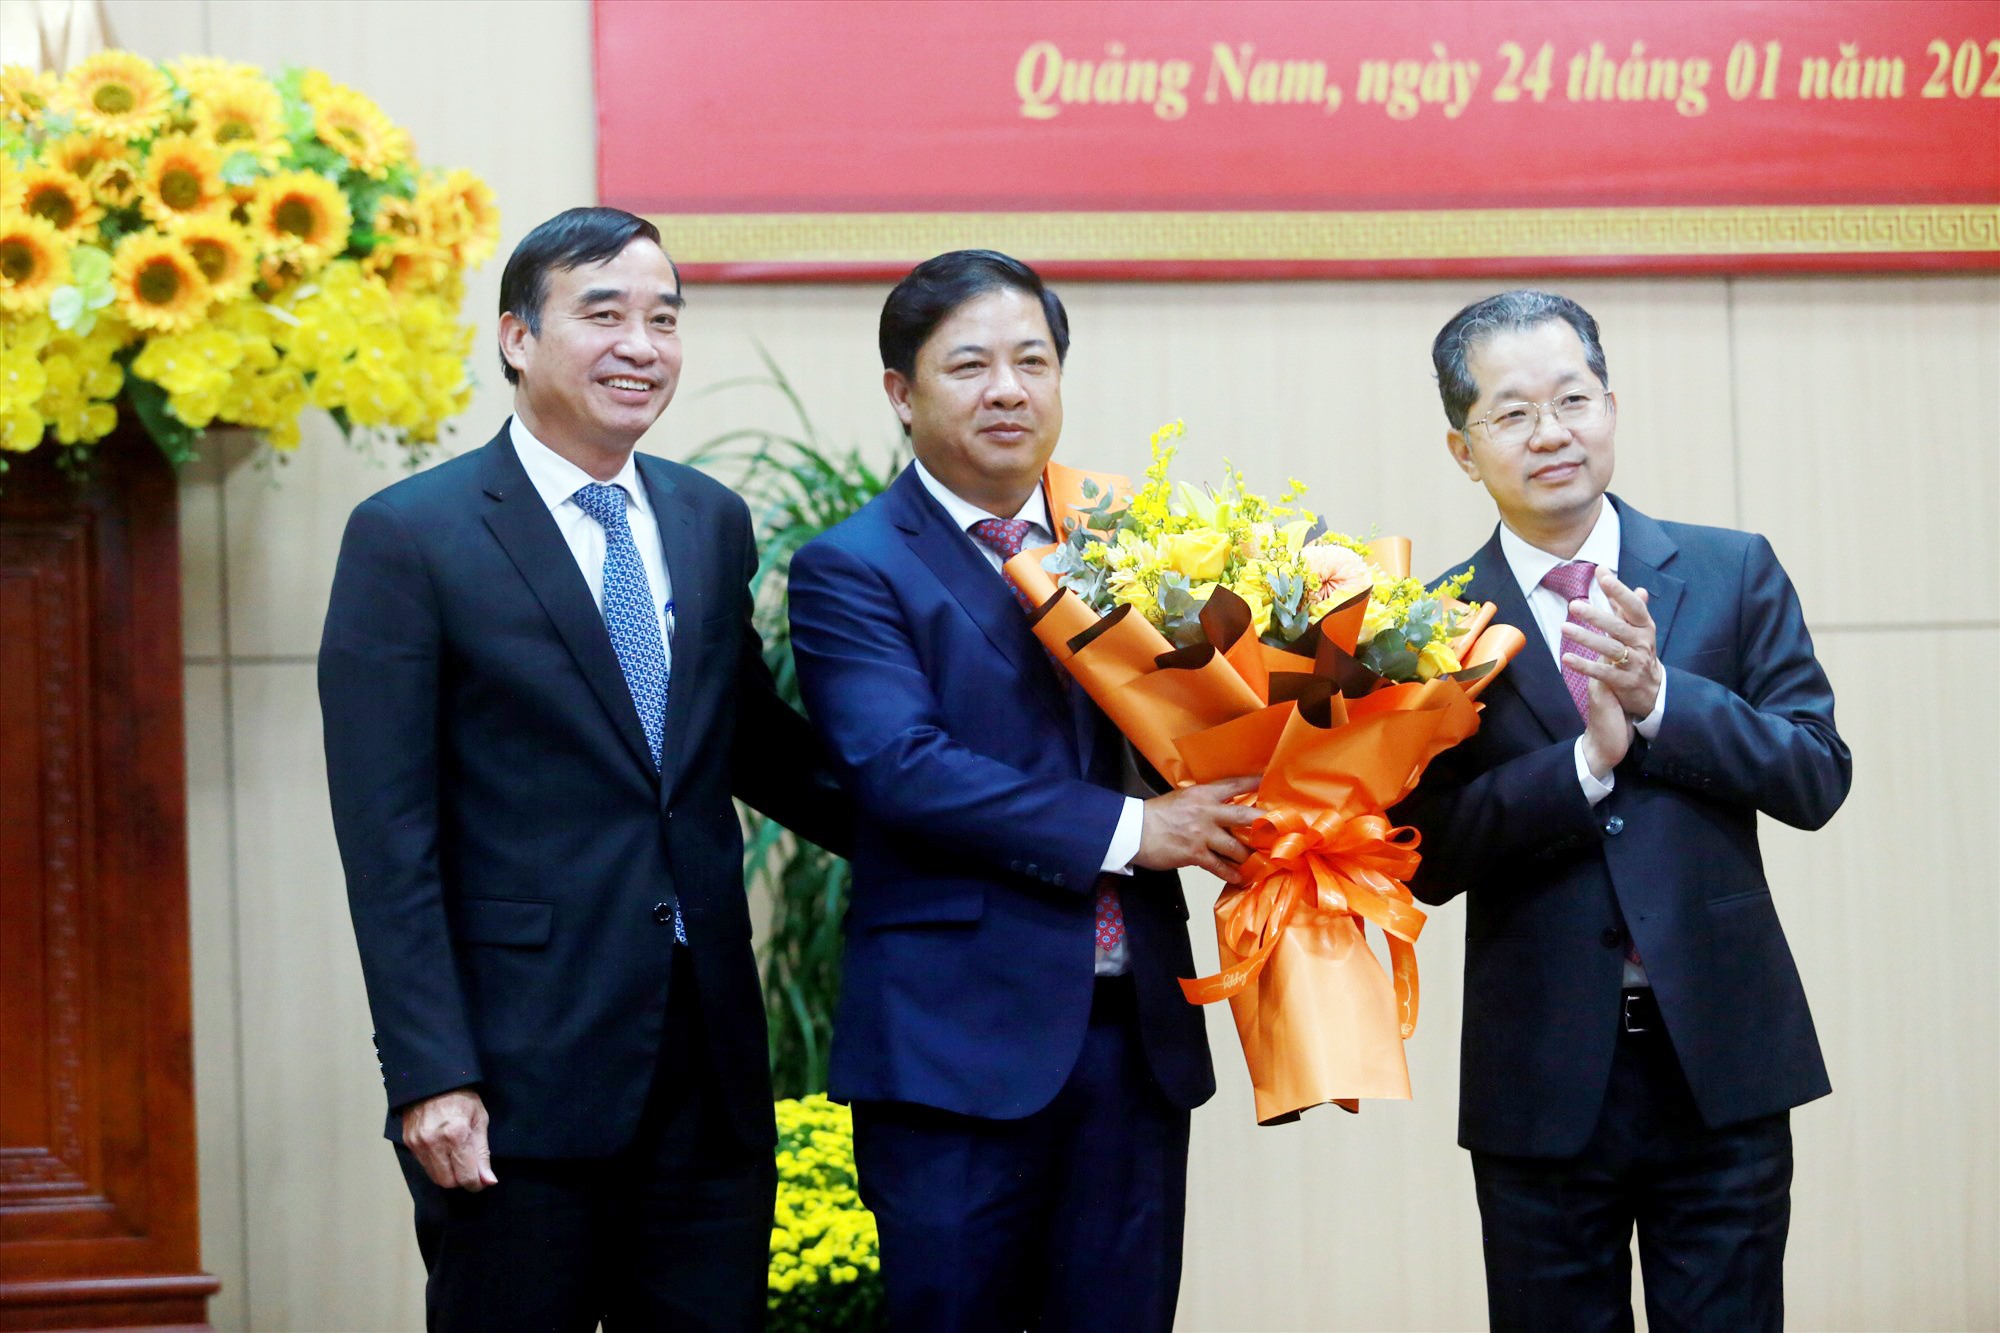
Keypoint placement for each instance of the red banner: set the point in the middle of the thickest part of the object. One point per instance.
(1234, 138)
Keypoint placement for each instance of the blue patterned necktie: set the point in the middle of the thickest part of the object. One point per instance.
(634, 622)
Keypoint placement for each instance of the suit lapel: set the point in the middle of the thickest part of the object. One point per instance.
(688, 560)
(1644, 551)
(527, 532)
(983, 594)
(1533, 674)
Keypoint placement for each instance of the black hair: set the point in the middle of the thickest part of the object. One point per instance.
(1521, 309)
(933, 289)
(570, 239)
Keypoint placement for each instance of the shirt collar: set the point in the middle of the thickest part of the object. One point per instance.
(557, 480)
(1531, 564)
(965, 513)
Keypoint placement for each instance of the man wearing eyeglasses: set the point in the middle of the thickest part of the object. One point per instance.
(1635, 1029)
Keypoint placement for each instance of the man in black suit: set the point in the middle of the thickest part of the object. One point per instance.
(541, 686)
(1635, 1029)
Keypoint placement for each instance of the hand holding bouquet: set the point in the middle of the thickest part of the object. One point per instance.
(1226, 634)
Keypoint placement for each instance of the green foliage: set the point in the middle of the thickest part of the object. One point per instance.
(797, 487)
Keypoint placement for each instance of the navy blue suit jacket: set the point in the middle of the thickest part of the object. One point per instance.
(985, 797)
(506, 841)
(1552, 884)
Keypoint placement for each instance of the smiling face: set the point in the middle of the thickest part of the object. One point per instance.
(984, 407)
(1549, 487)
(607, 358)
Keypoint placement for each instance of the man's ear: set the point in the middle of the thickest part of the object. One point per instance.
(1461, 453)
(516, 341)
(897, 386)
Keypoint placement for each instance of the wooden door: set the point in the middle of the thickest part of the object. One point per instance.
(98, 1208)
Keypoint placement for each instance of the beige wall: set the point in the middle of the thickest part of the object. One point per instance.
(1851, 419)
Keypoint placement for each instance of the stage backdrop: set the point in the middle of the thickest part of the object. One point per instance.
(1225, 138)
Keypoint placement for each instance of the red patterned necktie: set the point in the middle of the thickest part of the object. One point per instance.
(1005, 537)
(1571, 582)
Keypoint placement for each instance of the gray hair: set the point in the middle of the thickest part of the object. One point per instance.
(1522, 309)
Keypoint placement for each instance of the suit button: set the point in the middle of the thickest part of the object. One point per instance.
(1059, 879)
(1612, 938)
(1615, 825)
(663, 913)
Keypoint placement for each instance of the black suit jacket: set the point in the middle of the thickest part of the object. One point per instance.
(510, 853)
(1552, 885)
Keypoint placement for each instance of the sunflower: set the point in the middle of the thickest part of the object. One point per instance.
(241, 115)
(183, 178)
(117, 183)
(25, 94)
(52, 193)
(222, 251)
(158, 284)
(357, 129)
(194, 73)
(118, 95)
(408, 267)
(34, 261)
(460, 215)
(302, 212)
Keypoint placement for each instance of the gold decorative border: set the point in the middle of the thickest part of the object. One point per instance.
(861, 238)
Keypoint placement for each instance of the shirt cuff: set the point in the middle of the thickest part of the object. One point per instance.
(1594, 790)
(1649, 726)
(1125, 838)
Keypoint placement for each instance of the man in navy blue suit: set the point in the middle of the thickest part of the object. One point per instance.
(541, 687)
(1635, 1029)
(1020, 1059)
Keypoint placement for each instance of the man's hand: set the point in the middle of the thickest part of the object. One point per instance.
(447, 1133)
(1607, 732)
(1629, 663)
(1195, 827)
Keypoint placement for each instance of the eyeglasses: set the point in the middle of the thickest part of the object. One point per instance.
(1516, 423)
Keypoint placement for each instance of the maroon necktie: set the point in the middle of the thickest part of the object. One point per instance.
(1005, 537)
(1571, 582)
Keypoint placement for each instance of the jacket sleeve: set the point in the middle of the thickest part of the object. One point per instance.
(1528, 806)
(1773, 746)
(780, 765)
(378, 687)
(866, 690)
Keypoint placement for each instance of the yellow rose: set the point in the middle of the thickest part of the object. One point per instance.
(1377, 618)
(1197, 556)
(1437, 659)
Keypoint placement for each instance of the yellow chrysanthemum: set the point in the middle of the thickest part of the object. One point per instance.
(183, 179)
(50, 193)
(34, 261)
(357, 129)
(300, 212)
(223, 251)
(26, 94)
(157, 283)
(118, 95)
(459, 214)
(240, 114)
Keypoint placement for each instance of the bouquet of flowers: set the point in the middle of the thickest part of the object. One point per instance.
(1227, 634)
(201, 243)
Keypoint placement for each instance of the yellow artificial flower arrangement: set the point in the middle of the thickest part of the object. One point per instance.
(826, 1265)
(1166, 552)
(198, 243)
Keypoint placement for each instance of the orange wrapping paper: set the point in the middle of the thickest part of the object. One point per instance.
(1319, 1019)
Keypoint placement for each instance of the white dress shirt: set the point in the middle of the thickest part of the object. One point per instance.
(1530, 565)
(1035, 513)
(557, 480)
